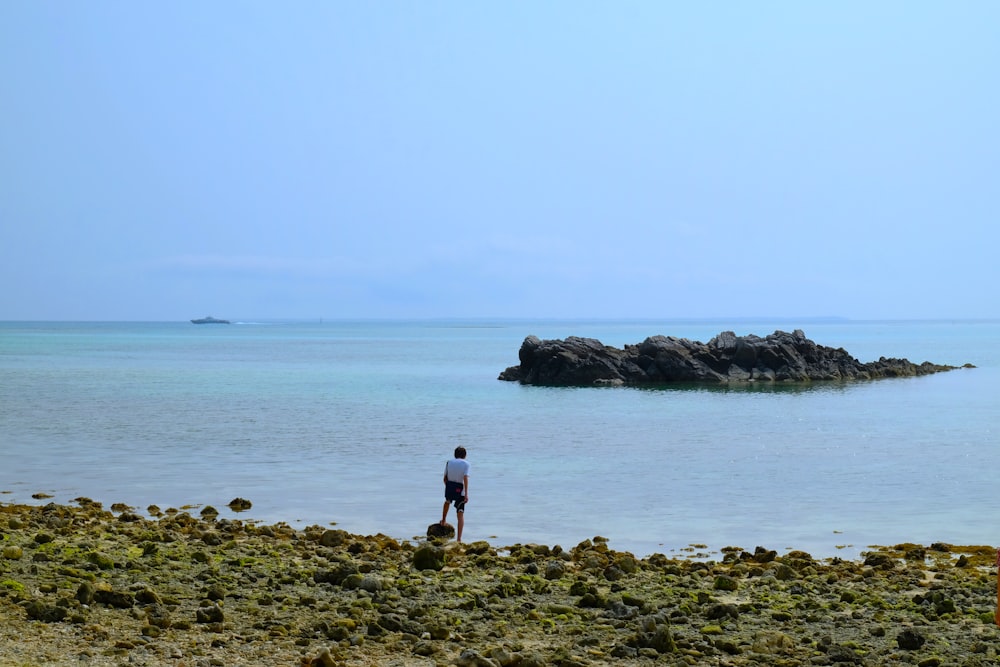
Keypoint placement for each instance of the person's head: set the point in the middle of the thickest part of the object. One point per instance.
(460, 452)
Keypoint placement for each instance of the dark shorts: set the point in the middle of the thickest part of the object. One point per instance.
(454, 492)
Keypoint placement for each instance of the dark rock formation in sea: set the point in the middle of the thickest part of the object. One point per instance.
(727, 358)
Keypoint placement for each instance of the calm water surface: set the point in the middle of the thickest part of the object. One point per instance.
(351, 422)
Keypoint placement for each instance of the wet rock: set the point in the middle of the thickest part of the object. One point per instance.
(358, 581)
(42, 611)
(429, 557)
(324, 659)
(840, 654)
(147, 596)
(502, 656)
(240, 504)
(211, 538)
(391, 622)
(554, 569)
(85, 593)
(210, 614)
(621, 611)
(215, 592)
(769, 641)
(910, 640)
(470, 658)
(662, 641)
(437, 531)
(479, 548)
(655, 634)
(762, 555)
(883, 561)
(334, 538)
(101, 560)
(112, 598)
(336, 575)
(719, 611)
(532, 659)
(158, 616)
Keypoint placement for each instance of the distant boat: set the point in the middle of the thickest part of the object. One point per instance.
(209, 320)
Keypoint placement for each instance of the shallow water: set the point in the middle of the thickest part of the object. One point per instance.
(351, 422)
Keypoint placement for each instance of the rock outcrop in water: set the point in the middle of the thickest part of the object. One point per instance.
(727, 358)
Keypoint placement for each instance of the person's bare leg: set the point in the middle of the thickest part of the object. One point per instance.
(444, 511)
(461, 524)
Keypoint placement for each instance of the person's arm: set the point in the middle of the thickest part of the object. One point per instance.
(465, 487)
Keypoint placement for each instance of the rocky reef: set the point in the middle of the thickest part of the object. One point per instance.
(87, 586)
(726, 359)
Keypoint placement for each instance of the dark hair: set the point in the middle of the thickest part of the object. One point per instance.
(460, 452)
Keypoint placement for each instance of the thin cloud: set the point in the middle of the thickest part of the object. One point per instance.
(261, 265)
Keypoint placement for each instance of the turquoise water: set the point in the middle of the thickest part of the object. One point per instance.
(351, 422)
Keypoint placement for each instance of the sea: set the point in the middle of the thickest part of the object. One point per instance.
(348, 424)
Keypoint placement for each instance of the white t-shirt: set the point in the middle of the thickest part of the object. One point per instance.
(457, 470)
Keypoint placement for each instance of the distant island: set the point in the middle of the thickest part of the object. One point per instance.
(726, 359)
(209, 320)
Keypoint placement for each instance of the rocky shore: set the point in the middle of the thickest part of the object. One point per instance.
(726, 359)
(85, 585)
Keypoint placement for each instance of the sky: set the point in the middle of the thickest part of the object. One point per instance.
(648, 160)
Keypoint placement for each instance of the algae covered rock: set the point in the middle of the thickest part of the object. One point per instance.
(554, 569)
(655, 633)
(240, 504)
(429, 557)
(437, 531)
(910, 640)
(334, 538)
(12, 553)
(210, 614)
(47, 613)
(275, 595)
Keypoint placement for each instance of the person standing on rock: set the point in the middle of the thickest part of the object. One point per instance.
(456, 488)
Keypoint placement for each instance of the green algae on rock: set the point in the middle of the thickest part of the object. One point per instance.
(118, 588)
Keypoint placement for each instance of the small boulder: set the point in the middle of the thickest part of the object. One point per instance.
(429, 557)
(437, 531)
(554, 570)
(725, 583)
(48, 613)
(240, 504)
(471, 658)
(117, 599)
(210, 614)
(910, 640)
(85, 593)
(334, 538)
(324, 659)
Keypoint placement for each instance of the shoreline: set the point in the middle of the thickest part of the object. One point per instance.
(82, 584)
(835, 546)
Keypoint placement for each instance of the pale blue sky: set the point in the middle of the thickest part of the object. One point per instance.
(163, 161)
